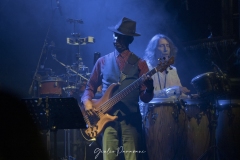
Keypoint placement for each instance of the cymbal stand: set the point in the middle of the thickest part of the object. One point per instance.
(78, 63)
(76, 40)
(66, 89)
(73, 41)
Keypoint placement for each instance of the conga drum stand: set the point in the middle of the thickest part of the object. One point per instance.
(213, 152)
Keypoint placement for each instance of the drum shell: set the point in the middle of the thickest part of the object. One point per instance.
(164, 126)
(228, 128)
(210, 83)
(198, 134)
(51, 86)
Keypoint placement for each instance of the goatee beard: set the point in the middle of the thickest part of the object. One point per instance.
(120, 48)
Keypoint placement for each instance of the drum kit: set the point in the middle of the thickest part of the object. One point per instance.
(203, 126)
(69, 84)
(72, 83)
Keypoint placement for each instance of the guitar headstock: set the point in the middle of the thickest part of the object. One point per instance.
(163, 64)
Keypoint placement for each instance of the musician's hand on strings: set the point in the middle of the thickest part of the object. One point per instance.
(88, 107)
(148, 82)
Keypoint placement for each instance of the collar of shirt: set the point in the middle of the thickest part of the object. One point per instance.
(123, 54)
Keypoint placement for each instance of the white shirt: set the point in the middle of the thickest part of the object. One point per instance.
(163, 80)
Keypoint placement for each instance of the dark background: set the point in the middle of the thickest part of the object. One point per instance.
(27, 24)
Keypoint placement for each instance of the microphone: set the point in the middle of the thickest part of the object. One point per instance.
(59, 7)
(219, 70)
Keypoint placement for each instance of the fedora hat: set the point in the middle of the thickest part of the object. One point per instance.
(126, 27)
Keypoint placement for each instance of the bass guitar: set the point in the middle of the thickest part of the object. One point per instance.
(102, 106)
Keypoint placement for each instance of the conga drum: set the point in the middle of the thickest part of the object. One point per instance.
(198, 135)
(164, 126)
(228, 128)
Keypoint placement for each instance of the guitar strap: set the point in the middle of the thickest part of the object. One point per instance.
(132, 60)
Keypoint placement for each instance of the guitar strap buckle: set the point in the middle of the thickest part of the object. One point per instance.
(122, 77)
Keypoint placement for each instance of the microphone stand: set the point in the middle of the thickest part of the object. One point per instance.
(40, 57)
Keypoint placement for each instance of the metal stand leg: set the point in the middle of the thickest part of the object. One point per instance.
(55, 144)
(48, 142)
(74, 144)
(213, 152)
(67, 145)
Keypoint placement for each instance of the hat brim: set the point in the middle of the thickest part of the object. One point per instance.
(115, 30)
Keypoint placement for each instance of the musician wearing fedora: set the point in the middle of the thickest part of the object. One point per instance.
(122, 136)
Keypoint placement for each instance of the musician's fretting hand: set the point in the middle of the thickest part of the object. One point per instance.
(88, 107)
(148, 82)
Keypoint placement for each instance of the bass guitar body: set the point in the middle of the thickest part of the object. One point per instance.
(100, 118)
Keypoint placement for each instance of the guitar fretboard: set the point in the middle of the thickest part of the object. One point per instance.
(123, 93)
